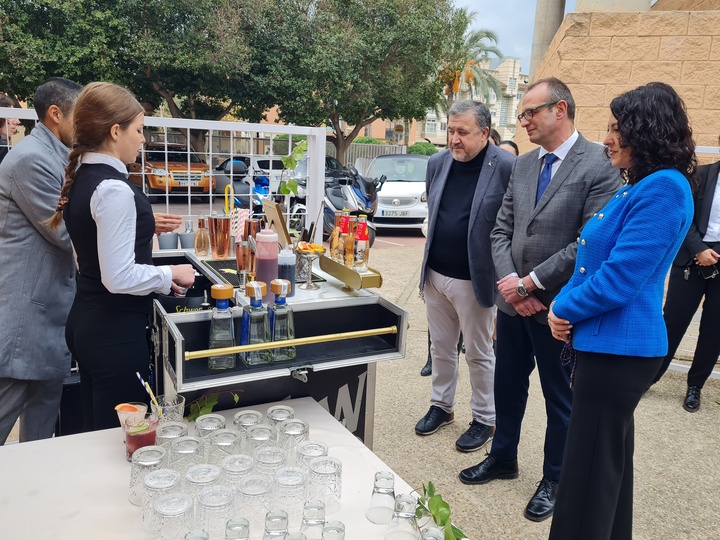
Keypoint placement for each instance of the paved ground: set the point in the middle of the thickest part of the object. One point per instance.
(677, 463)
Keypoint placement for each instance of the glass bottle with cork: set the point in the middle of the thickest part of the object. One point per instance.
(202, 238)
(221, 327)
(282, 322)
(349, 256)
(255, 324)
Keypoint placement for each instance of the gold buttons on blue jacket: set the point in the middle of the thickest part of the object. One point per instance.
(583, 242)
(600, 216)
(582, 269)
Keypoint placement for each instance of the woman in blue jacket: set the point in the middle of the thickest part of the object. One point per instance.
(610, 312)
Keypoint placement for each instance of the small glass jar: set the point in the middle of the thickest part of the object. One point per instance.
(208, 423)
(278, 413)
(236, 467)
(186, 452)
(269, 459)
(246, 418)
(201, 476)
(307, 450)
(313, 519)
(173, 516)
(333, 530)
(276, 525)
(197, 534)
(223, 443)
(382, 500)
(157, 483)
(260, 435)
(144, 460)
(237, 529)
(169, 431)
(215, 506)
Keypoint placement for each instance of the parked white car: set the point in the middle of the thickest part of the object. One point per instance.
(402, 201)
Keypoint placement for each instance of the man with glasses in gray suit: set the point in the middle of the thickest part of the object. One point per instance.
(553, 191)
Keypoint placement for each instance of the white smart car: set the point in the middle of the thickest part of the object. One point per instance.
(402, 201)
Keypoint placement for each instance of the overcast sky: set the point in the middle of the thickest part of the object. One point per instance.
(512, 21)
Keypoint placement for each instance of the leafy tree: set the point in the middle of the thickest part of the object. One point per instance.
(358, 61)
(422, 148)
(465, 52)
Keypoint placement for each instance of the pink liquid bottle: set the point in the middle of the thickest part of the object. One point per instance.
(266, 260)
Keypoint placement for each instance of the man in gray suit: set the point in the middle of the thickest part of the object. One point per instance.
(465, 185)
(553, 191)
(38, 282)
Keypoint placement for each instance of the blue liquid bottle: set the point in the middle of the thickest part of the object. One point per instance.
(255, 325)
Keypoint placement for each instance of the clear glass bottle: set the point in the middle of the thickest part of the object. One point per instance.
(362, 244)
(334, 240)
(349, 258)
(344, 227)
(282, 323)
(221, 327)
(202, 238)
(255, 324)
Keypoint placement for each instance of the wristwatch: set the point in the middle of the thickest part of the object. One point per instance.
(521, 290)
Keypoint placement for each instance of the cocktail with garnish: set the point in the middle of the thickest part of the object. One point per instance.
(126, 410)
(139, 432)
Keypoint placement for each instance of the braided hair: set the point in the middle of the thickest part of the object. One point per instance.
(99, 107)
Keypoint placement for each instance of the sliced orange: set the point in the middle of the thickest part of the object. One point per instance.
(127, 407)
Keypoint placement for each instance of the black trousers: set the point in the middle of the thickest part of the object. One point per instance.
(595, 495)
(521, 342)
(683, 300)
(110, 346)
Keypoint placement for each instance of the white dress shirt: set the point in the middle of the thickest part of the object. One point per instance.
(712, 234)
(112, 206)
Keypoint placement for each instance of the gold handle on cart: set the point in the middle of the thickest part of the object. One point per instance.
(193, 355)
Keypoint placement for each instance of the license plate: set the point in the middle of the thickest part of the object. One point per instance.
(191, 183)
(395, 213)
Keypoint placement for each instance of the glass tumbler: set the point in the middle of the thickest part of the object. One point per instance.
(237, 529)
(201, 476)
(326, 482)
(290, 493)
(290, 433)
(144, 460)
(169, 431)
(382, 501)
(236, 467)
(296, 536)
(260, 435)
(208, 423)
(139, 432)
(307, 450)
(278, 413)
(157, 483)
(171, 405)
(403, 525)
(136, 408)
(333, 530)
(215, 506)
(186, 452)
(223, 443)
(269, 459)
(276, 525)
(246, 418)
(253, 492)
(197, 534)
(173, 516)
(313, 519)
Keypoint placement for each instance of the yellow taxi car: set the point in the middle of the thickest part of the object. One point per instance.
(171, 168)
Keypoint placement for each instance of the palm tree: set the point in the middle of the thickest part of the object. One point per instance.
(466, 51)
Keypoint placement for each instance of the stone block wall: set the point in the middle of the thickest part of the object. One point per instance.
(600, 55)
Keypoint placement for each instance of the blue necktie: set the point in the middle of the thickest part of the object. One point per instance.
(545, 175)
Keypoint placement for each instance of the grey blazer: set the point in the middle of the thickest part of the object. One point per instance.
(493, 181)
(37, 284)
(543, 238)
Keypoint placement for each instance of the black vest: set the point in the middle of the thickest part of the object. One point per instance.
(83, 232)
